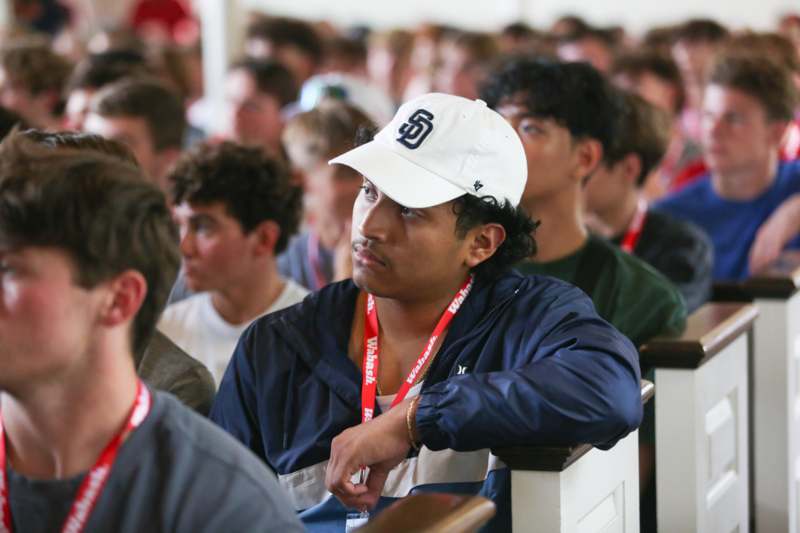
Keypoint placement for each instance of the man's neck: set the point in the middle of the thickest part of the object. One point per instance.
(240, 303)
(619, 215)
(405, 320)
(562, 231)
(745, 184)
(57, 429)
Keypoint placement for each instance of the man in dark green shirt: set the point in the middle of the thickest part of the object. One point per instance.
(565, 115)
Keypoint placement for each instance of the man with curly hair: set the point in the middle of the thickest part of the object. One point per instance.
(434, 347)
(236, 209)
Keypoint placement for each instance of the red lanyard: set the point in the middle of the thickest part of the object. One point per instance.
(313, 258)
(369, 380)
(93, 481)
(634, 232)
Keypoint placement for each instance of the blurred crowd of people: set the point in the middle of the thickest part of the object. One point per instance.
(657, 164)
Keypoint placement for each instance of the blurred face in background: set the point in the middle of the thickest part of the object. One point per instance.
(254, 117)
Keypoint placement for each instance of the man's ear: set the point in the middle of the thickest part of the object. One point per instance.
(587, 153)
(631, 167)
(265, 236)
(126, 295)
(484, 241)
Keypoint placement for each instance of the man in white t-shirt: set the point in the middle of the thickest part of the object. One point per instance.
(236, 209)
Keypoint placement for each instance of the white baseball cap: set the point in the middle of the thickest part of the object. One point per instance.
(439, 147)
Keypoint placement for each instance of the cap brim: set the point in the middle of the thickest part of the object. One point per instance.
(405, 182)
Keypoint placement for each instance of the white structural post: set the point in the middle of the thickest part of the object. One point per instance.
(576, 490)
(222, 26)
(702, 421)
(775, 398)
(776, 409)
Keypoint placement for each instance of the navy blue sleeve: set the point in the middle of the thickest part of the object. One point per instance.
(577, 381)
(235, 407)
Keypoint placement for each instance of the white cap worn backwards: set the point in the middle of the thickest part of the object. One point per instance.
(439, 147)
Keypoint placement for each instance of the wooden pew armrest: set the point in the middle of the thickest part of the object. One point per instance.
(553, 458)
(432, 513)
(709, 330)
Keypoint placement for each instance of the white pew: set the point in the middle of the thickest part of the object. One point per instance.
(577, 488)
(775, 394)
(702, 421)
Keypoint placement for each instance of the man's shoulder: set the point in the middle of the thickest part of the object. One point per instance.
(689, 198)
(188, 310)
(176, 428)
(325, 303)
(199, 448)
(789, 176)
(190, 460)
(165, 366)
(674, 231)
(637, 276)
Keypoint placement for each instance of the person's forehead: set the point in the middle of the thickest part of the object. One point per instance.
(51, 256)
(215, 209)
(432, 210)
(730, 98)
(124, 127)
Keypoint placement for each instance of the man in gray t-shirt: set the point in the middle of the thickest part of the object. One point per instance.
(176, 472)
(88, 252)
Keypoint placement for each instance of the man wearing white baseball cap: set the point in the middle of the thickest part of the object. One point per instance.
(435, 352)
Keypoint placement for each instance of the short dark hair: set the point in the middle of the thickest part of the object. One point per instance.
(519, 243)
(480, 48)
(98, 209)
(701, 31)
(98, 70)
(643, 130)
(773, 46)
(34, 66)
(766, 81)
(154, 102)
(605, 37)
(285, 31)
(271, 78)
(347, 51)
(82, 141)
(252, 186)
(575, 95)
(639, 62)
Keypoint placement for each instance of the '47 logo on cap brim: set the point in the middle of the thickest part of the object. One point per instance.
(416, 129)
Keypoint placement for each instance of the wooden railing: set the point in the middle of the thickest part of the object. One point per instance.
(432, 513)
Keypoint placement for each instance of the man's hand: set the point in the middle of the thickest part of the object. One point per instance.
(380, 444)
(780, 228)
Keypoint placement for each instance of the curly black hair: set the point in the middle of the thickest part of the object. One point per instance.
(575, 95)
(252, 185)
(519, 244)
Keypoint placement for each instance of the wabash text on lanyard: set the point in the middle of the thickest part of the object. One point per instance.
(369, 380)
(634, 231)
(93, 481)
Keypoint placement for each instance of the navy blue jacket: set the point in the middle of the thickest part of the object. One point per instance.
(526, 361)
